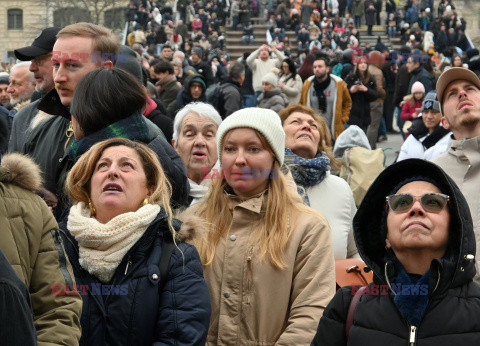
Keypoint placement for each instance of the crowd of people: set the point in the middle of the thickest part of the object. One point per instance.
(155, 192)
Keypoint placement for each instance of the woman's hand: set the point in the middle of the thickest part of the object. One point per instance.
(281, 85)
(354, 89)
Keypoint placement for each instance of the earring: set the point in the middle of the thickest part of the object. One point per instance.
(146, 201)
(93, 211)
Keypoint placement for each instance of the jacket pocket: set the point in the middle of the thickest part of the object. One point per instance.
(62, 258)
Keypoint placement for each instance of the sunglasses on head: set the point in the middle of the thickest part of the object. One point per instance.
(431, 202)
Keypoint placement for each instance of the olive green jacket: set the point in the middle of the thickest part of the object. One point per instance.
(30, 240)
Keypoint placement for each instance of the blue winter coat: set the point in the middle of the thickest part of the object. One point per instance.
(135, 313)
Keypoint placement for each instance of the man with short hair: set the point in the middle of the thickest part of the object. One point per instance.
(166, 53)
(187, 69)
(419, 74)
(194, 138)
(458, 91)
(40, 55)
(261, 64)
(167, 85)
(21, 87)
(72, 58)
(327, 94)
(22, 84)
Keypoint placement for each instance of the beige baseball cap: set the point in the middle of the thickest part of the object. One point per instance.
(454, 74)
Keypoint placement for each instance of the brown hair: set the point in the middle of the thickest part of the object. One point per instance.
(79, 177)
(325, 142)
(103, 39)
(366, 77)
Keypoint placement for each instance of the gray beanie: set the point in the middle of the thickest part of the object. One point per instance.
(128, 61)
(265, 121)
(431, 102)
(270, 78)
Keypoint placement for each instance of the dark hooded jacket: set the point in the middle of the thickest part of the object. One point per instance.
(138, 311)
(452, 314)
(184, 97)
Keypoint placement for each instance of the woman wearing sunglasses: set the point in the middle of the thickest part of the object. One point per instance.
(414, 230)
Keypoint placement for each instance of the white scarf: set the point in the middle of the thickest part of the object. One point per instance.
(198, 191)
(103, 246)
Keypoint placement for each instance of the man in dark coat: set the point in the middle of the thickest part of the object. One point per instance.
(419, 74)
(231, 99)
(202, 67)
(370, 17)
(167, 85)
(194, 90)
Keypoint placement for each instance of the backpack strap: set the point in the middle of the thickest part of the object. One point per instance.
(351, 309)
(167, 249)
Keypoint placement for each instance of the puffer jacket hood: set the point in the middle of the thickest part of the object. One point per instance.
(20, 170)
(455, 267)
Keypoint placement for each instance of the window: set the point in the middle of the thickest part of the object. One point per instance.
(70, 15)
(115, 18)
(15, 19)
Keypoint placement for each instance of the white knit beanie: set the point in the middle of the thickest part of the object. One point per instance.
(265, 121)
(270, 78)
(418, 87)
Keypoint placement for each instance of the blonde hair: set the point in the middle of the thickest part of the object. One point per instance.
(326, 144)
(79, 177)
(277, 222)
(103, 39)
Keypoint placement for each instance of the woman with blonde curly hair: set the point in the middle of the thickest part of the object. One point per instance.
(131, 265)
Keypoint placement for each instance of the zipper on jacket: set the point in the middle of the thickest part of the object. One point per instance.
(413, 334)
(249, 269)
(129, 263)
(62, 259)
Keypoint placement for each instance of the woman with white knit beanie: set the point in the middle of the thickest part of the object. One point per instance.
(267, 257)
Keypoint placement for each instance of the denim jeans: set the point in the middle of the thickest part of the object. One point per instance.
(358, 21)
(392, 31)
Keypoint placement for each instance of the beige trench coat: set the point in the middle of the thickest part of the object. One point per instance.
(253, 303)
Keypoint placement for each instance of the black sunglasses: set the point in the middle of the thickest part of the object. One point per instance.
(431, 202)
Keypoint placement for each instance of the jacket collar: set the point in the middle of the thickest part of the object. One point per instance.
(253, 204)
(51, 104)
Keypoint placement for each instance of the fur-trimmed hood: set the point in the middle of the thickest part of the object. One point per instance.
(192, 226)
(20, 170)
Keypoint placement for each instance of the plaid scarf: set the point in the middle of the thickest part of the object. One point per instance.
(307, 172)
(133, 127)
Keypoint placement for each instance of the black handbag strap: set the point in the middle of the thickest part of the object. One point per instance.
(167, 249)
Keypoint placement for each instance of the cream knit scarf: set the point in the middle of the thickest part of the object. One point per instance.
(102, 246)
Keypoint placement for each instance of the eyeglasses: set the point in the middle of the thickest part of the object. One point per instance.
(431, 202)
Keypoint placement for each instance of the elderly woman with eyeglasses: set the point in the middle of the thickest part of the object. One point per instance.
(414, 230)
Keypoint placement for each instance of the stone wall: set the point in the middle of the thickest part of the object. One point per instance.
(34, 18)
(470, 11)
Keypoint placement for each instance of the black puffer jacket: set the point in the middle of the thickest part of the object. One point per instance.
(132, 309)
(452, 316)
